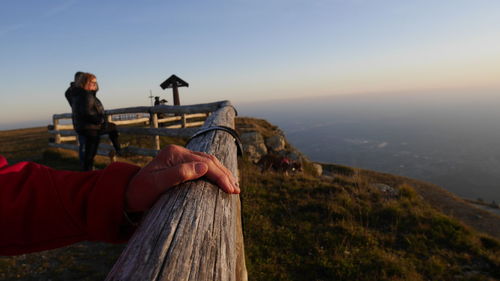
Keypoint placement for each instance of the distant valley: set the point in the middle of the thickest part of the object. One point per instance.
(452, 142)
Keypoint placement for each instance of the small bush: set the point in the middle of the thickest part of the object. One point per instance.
(490, 243)
(408, 192)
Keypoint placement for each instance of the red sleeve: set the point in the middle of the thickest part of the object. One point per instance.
(42, 208)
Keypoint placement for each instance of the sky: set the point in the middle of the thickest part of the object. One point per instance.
(241, 50)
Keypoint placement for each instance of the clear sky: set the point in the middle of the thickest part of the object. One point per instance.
(241, 50)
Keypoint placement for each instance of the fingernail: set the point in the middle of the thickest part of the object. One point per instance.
(199, 168)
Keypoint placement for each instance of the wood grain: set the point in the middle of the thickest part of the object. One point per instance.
(194, 231)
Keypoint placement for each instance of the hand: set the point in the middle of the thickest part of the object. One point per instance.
(175, 165)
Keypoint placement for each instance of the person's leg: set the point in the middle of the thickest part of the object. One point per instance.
(91, 145)
(81, 148)
(110, 129)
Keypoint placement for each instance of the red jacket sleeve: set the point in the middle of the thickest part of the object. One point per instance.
(42, 208)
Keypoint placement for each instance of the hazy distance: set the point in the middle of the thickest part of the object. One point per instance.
(450, 139)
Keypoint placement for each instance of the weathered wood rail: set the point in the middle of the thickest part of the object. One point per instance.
(194, 231)
(178, 121)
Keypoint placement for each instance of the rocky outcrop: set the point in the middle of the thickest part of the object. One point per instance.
(253, 145)
(260, 138)
(388, 190)
(276, 143)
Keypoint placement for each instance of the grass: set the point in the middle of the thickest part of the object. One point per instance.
(23, 144)
(305, 228)
(301, 227)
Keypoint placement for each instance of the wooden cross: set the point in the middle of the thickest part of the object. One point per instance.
(174, 82)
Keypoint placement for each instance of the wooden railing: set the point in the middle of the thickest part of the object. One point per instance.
(176, 121)
(194, 231)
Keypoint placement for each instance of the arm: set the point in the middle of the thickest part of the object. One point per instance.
(42, 208)
(85, 108)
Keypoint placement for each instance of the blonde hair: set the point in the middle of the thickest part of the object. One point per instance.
(83, 79)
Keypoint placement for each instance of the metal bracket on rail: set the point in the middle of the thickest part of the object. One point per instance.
(231, 131)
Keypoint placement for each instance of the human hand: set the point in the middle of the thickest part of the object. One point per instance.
(175, 165)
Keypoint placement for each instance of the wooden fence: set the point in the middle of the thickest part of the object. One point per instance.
(194, 231)
(163, 120)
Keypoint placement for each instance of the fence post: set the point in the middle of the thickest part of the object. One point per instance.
(56, 128)
(112, 157)
(154, 124)
(184, 121)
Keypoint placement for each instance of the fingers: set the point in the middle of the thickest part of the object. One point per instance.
(175, 165)
(218, 173)
(171, 176)
(173, 155)
(217, 164)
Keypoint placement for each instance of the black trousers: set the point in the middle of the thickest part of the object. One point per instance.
(93, 138)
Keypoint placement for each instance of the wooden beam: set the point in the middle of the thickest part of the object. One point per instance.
(169, 119)
(194, 124)
(63, 133)
(180, 109)
(65, 127)
(183, 133)
(68, 138)
(131, 121)
(137, 109)
(62, 116)
(196, 115)
(175, 92)
(105, 148)
(193, 232)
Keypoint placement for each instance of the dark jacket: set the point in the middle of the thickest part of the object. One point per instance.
(88, 112)
(69, 92)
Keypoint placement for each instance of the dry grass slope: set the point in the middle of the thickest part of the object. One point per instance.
(344, 228)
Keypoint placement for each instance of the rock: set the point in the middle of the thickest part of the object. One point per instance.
(250, 138)
(318, 169)
(255, 151)
(253, 145)
(388, 190)
(276, 143)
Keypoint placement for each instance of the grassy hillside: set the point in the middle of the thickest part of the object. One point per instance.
(345, 228)
(342, 226)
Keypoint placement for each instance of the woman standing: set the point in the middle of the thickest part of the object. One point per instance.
(89, 119)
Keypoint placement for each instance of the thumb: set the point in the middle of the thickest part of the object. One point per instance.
(184, 172)
(146, 186)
